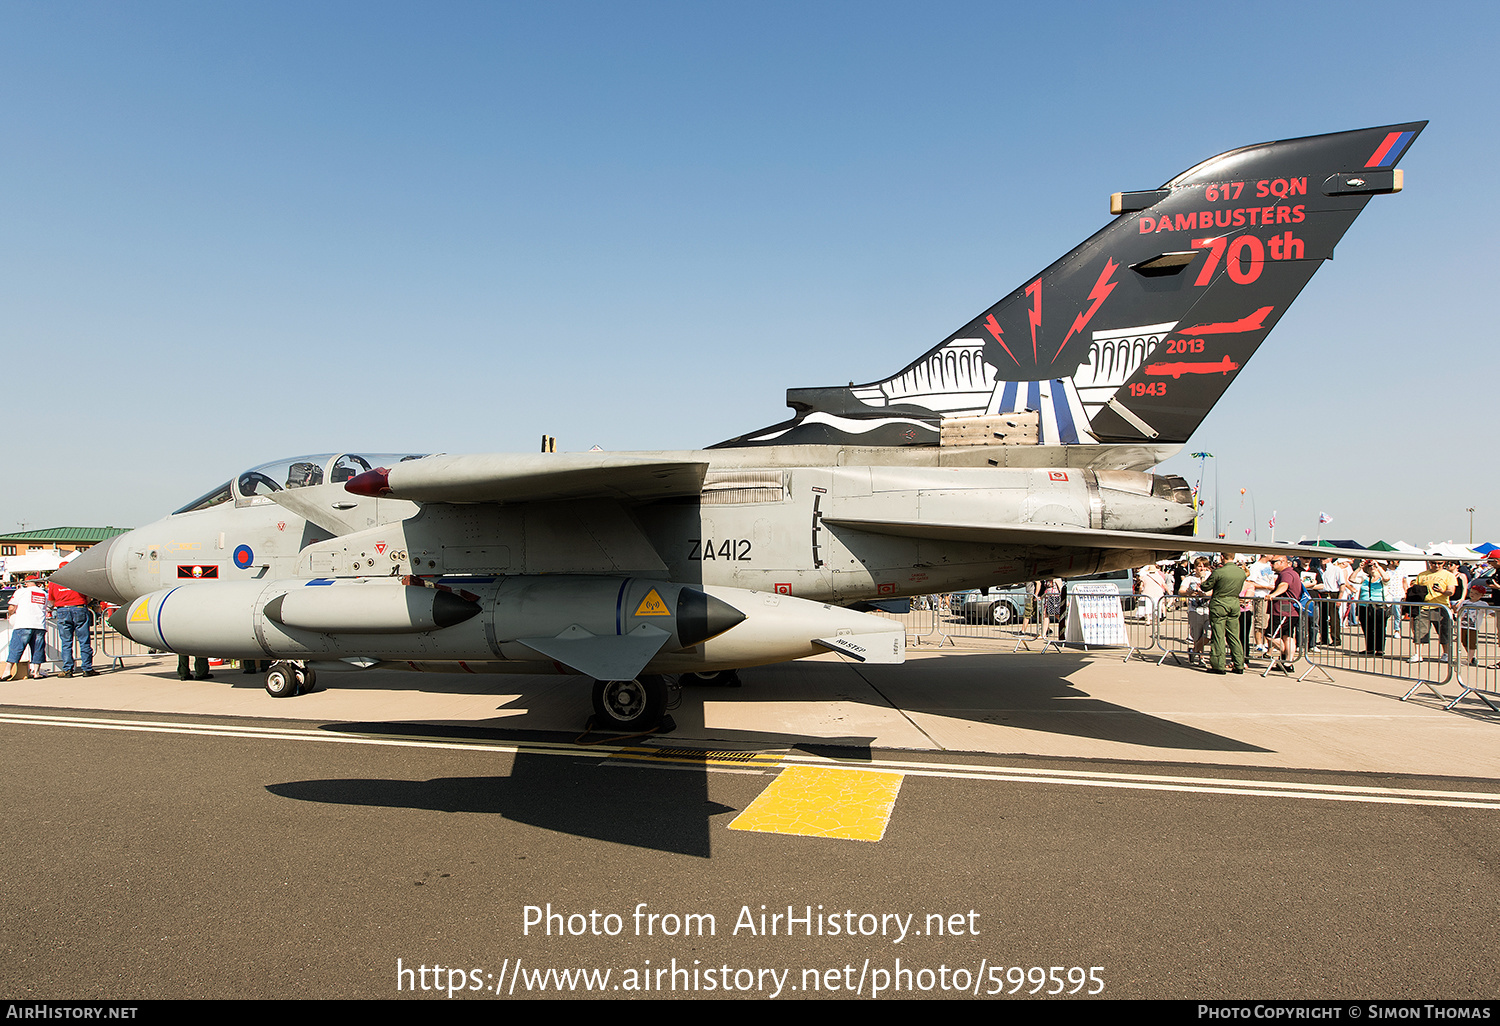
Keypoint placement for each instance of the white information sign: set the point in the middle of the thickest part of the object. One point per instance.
(1094, 614)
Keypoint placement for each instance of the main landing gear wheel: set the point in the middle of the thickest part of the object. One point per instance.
(715, 679)
(308, 678)
(281, 680)
(1002, 613)
(630, 705)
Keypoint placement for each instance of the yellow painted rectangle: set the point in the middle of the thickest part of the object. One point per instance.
(824, 802)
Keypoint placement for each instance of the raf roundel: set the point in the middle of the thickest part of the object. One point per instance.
(243, 557)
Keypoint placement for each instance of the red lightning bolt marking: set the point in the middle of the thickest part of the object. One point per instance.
(993, 327)
(1098, 294)
(1034, 315)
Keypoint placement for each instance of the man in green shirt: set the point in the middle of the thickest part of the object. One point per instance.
(1225, 585)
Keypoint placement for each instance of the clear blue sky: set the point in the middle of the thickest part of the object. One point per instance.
(237, 232)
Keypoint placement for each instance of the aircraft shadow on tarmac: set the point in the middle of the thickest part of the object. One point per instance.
(634, 803)
(668, 812)
(1022, 691)
(1028, 691)
(608, 799)
(1031, 691)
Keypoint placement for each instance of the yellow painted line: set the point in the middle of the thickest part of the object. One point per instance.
(824, 802)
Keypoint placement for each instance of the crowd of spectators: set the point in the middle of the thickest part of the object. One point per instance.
(1369, 594)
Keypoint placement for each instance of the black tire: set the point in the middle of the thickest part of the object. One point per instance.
(309, 680)
(281, 680)
(630, 705)
(1003, 613)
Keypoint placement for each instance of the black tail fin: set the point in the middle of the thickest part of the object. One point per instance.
(1133, 336)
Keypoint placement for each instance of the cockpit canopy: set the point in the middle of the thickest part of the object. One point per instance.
(256, 484)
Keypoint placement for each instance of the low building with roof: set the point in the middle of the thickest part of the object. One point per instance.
(45, 550)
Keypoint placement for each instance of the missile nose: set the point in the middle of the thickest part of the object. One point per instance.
(701, 616)
(88, 573)
(374, 483)
(118, 619)
(449, 609)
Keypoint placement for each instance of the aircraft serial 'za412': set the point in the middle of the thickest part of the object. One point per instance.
(1016, 449)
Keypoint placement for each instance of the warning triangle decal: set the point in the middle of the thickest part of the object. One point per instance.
(652, 605)
(141, 614)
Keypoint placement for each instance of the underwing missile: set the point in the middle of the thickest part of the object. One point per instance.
(604, 627)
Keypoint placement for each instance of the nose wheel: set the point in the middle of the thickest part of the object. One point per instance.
(630, 705)
(285, 679)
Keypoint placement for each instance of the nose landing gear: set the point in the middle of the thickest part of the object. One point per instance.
(285, 679)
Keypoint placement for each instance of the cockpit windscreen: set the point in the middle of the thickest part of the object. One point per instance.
(256, 484)
(306, 471)
(207, 499)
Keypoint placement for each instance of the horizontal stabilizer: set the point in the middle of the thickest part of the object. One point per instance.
(602, 656)
(1053, 536)
(885, 647)
(532, 478)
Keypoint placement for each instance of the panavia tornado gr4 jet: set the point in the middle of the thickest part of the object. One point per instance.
(1017, 448)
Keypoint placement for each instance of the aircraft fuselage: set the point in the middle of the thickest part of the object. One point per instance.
(771, 529)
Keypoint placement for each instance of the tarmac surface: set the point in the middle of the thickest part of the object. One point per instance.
(979, 698)
(1155, 831)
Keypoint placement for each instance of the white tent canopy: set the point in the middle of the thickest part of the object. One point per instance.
(34, 562)
(1453, 550)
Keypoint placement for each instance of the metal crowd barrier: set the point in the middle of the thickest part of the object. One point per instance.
(52, 653)
(935, 620)
(945, 623)
(1345, 634)
(1173, 631)
(1477, 667)
(919, 622)
(1139, 623)
(1174, 635)
(51, 650)
(955, 623)
(1027, 630)
(1142, 624)
(1380, 640)
(112, 647)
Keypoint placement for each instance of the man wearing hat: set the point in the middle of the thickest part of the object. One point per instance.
(71, 611)
(1225, 584)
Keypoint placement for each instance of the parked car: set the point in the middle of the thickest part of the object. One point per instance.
(994, 605)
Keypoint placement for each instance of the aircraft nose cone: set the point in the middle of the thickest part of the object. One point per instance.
(88, 574)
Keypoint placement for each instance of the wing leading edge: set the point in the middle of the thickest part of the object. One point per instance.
(535, 477)
(1086, 538)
